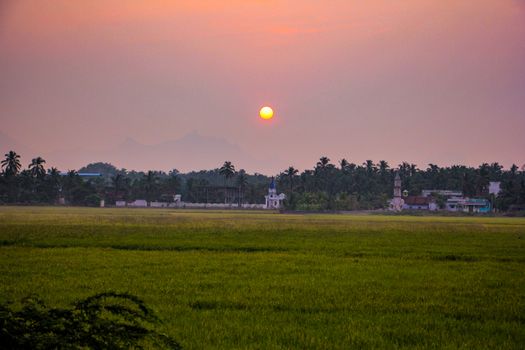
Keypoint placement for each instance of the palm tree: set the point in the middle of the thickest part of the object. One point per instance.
(36, 167)
(53, 184)
(71, 184)
(118, 182)
(150, 184)
(384, 174)
(11, 163)
(242, 181)
(383, 166)
(413, 169)
(370, 167)
(322, 163)
(172, 183)
(54, 174)
(344, 164)
(227, 170)
(291, 172)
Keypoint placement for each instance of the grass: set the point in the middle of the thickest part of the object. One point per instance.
(259, 280)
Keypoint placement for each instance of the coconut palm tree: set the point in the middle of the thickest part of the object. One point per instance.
(11, 164)
(150, 184)
(290, 173)
(118, 182)
(344, 164)
(36, 168)
(227, 170)
(52, 184)
(322, 163)
(71, 185)
(383, 166)
(370, 167)
(242, 182)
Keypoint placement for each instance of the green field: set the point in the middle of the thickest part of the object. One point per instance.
(254, 280)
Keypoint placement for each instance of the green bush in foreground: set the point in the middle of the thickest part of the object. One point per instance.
(103, 321)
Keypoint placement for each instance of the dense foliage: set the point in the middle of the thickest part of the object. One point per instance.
(369, 186)
(346, 186)
(104, 321)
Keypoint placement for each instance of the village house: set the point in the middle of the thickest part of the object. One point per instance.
(468, 205)
(455, 201)
(419, 203)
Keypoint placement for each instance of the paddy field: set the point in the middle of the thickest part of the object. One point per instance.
(262, 280)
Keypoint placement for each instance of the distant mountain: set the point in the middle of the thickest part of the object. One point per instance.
(193, 151)
(106, 169)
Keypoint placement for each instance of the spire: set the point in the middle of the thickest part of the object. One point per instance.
(272, 184)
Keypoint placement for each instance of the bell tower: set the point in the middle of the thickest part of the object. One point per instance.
(397, 186)
(396, 204)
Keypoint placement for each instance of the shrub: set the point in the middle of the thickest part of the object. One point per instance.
(92, 200)
(312, 201)
(103, 321)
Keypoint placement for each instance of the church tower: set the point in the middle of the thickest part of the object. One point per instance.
(397, 186)
(396, 204)
(273, 200)
(271, 188)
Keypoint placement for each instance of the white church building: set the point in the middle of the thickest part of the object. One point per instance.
(273, 200)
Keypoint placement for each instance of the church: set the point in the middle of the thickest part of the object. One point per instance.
(273, 200)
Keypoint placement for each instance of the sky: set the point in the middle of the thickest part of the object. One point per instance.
(152, 84)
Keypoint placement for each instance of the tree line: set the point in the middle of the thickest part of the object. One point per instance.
(327, 186)
(349, 186)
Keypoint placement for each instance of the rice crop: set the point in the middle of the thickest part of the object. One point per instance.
(263, 280)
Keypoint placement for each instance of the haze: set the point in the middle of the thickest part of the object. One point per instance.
(179, 84)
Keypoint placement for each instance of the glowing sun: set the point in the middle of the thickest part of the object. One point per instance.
(266, 113)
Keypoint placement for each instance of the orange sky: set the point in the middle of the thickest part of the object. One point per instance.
(416, 80)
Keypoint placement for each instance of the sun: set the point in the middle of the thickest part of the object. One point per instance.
(266, 113)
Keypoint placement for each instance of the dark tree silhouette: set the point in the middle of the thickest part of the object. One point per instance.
(228, 171)
(323, 187)
(11, 164)
(150, 185)
(36, 167)
(103, 321)
(291, 173)
(242, 182)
